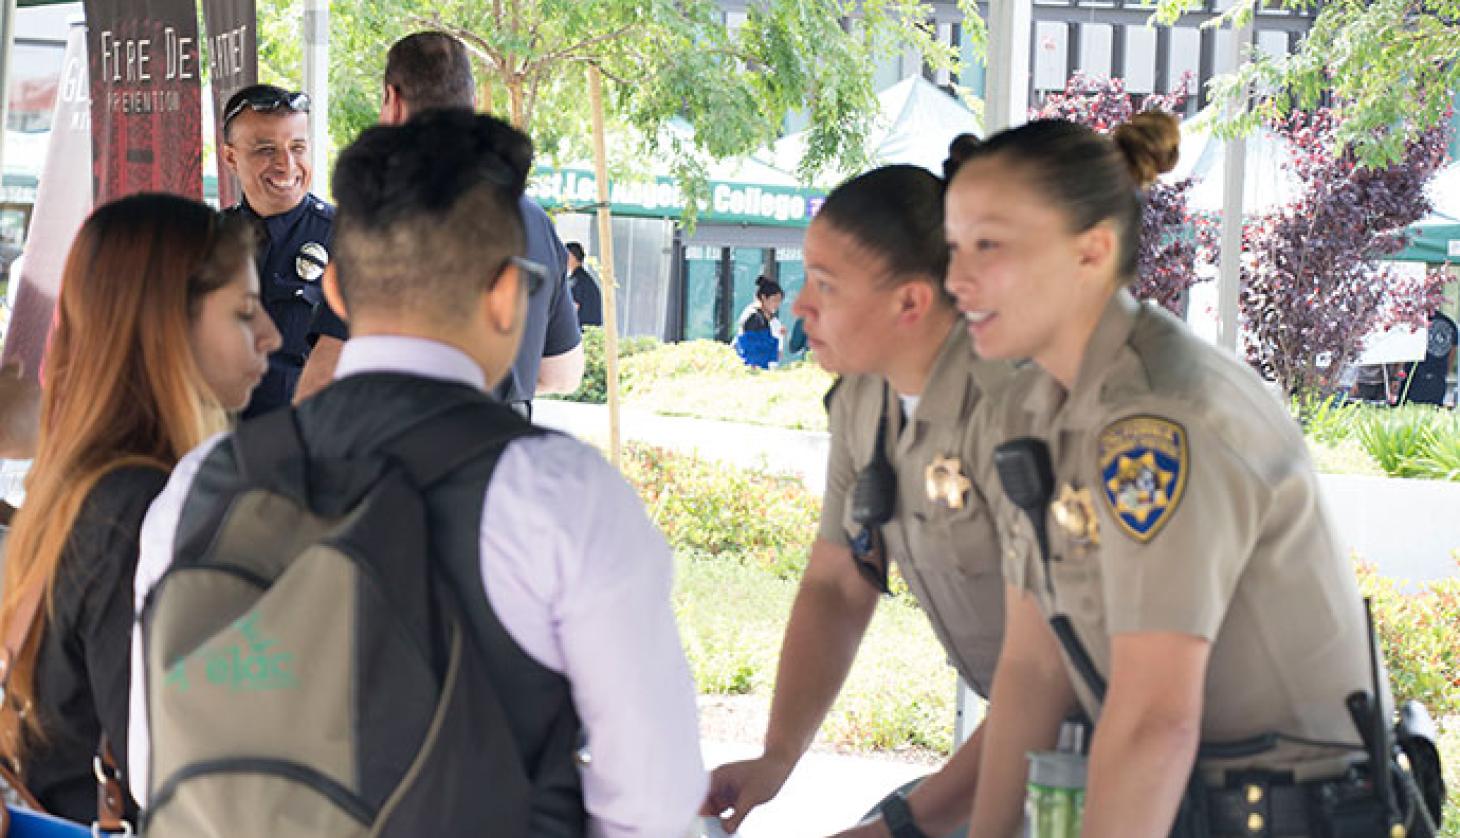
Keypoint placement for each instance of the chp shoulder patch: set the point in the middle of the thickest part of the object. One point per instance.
(1143, 462)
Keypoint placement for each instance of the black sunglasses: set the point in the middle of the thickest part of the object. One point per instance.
(874, 501)
(268, 101)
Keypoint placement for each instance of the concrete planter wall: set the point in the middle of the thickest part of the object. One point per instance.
(1408, 528)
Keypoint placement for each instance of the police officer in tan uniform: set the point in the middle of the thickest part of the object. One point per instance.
(1189, 557)
(899, 487)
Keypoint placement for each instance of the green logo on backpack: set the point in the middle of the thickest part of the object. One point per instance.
(246, 667)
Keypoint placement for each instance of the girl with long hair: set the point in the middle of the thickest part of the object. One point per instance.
(160, 335)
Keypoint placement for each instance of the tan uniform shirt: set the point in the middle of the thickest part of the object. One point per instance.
(1185, 502)
(949, 556)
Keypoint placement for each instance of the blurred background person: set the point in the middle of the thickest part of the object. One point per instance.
(758, 337)
(586, 295)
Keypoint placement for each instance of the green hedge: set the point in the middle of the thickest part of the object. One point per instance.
(717, 511)
(1411, 441)
(1419, 632)
(594, 389)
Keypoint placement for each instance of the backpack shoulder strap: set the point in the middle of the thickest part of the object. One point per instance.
(271, 453)
(433, 448)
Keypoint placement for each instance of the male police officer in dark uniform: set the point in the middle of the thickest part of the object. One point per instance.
(266, 145)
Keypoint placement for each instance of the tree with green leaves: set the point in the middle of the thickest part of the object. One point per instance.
(1389, 68)
(681, 87)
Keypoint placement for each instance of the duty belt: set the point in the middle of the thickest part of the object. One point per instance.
(1274, 807)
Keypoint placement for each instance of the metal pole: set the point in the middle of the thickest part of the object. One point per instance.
(7, 46)
(605, 249)
(1234, 176)
(1006, 98)
(317, 85)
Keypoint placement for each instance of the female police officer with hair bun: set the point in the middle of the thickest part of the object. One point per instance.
(899, 484)
(1172, 568)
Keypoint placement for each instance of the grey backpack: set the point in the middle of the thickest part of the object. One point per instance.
(308, 670)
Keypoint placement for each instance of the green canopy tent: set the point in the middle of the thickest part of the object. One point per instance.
(1436, 240)
(1436, 237)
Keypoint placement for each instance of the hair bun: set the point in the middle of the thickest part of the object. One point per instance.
(1151, 144)
(963, 147)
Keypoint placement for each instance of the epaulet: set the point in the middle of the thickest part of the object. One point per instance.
(831, 393)
(320, 208)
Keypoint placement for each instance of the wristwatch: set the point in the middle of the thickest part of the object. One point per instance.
(899, 818)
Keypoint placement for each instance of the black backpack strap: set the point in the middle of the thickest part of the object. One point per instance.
(271, 453)
(433, 448)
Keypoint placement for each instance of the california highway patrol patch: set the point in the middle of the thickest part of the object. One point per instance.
(1143, 466)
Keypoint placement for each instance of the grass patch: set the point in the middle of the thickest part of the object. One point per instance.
(900, 691)
(706, 380)
(1346, 456)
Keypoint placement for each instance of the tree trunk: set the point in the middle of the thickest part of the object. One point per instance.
(514, 103)
(605, 250)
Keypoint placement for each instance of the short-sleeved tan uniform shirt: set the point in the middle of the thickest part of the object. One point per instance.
(945, 546)
(1185, 502)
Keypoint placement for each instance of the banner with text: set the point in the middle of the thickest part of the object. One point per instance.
(233, 64)
(62, 202)
(576, 190)
(146, 97)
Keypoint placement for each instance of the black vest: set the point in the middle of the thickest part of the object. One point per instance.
(355, 417)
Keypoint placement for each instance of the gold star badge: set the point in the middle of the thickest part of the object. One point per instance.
(1074, 512)
(946, 483)
(1141, 487)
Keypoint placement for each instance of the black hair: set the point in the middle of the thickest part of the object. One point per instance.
(427, 212)
(895, 212)
(430, 70)
(1091, 177)
(962, 148)
(576, 249)
(767, 287)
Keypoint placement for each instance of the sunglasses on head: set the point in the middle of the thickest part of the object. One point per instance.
(874, 501)
(268, 101)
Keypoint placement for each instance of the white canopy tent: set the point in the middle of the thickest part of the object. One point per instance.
(916, 121)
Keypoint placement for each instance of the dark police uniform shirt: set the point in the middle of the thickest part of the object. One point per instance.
(589, 300)
(551, 323)
(293, 249)
(1431, 375)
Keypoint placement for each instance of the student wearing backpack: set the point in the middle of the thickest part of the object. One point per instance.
(367, 615)
(159, 334)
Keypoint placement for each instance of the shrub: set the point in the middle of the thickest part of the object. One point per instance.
(594, 389)
(1417, 633)
(1412, 441)
(1325, 419)
(714, 510)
